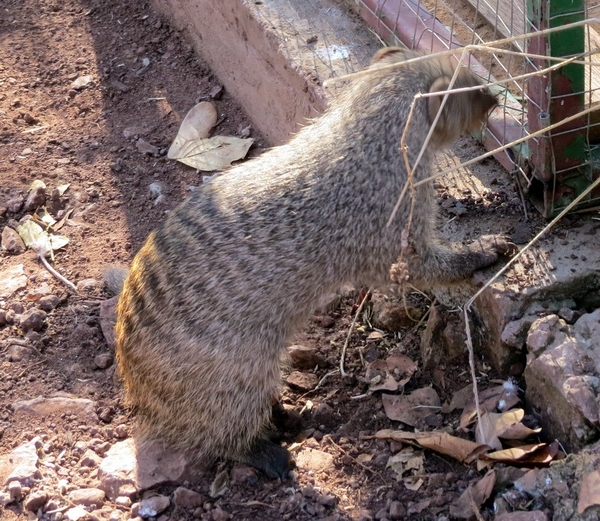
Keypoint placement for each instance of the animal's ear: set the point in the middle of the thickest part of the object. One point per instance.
(434, 102)
(387, 52)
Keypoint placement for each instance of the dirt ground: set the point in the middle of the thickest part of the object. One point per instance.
(108, 141)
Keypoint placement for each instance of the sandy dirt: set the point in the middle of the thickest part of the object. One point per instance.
(108, 141)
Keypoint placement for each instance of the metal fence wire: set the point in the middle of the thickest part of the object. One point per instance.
(540, 59)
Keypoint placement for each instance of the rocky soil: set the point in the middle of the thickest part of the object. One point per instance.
(92, 94)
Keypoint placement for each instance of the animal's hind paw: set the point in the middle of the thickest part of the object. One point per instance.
(270, 458)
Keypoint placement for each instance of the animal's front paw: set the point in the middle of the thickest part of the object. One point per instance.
(498, 244)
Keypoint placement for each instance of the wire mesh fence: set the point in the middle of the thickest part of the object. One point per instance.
(546, 130)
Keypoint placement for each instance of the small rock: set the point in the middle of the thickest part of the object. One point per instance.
(40, 407)
(305, 357)
(121, 87)
(309, 492)
(218, 514)
(29, 119)
(18, 351)
(48, 302)
(124, 470)
(15, 490)
(545, 333)
(103, 360)
(32, 320)
(11, 280)
(123, 501)
(106, 414)
(37, 292)
(12, 242)
(328, 303)
(5, 499)
(15, 204)
(568, 315)
(90, 459)
(216, 92)
(245, 132)
(243, 474)
(2, 317)
(10, 316)
(393, 315)
(81, 82)
(35, 199)
(17, 307)
(302, 381)
(35, 500)
(88, 497)
(444, 338)
(121, 431)
(83, 333)
(397, 510)
(21, 464)
(327, 500)
(130, 132)
(76, 513)
(311, 459)
(324, 415)
(146, 148)
(186, 498)
(87, 286)
(152, 506)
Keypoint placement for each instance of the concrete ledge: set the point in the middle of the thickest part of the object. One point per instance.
(273, 55)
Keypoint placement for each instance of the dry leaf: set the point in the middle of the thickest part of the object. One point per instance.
(589, 495)
(474, 496)
(62, 188)
(37, 239)
(460, 399)
(192, 147)
(216, 153)
(195, 126)
(461, 450)
(30, 232)
(43, 217)
(220, 484)
(413, 408)
(364, 458)
(404, 461)
(413, 483)
(58, 241)
(375, 335)
(508, 425)
(502, 397)
(391, 374)
(62, 221)
(539, 454)
(485, 433)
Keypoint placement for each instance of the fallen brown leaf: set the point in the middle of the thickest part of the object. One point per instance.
(461, 450)
(473, 497)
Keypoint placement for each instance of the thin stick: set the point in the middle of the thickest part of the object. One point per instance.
(47, 265)
(345, 347)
